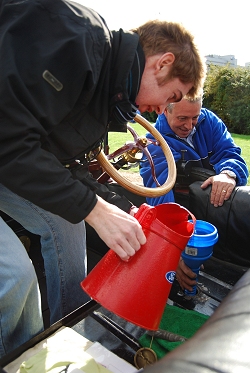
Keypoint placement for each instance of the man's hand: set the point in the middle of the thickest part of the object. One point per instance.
(222, 188)
(119, 230)
(185, 276)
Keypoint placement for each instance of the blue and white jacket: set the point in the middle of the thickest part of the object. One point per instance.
(214, 149)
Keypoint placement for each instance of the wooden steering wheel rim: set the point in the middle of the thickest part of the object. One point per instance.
(137, 189)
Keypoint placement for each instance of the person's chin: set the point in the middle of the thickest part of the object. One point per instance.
(183, 135)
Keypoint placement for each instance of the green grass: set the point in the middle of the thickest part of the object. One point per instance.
(116, 140)
(243, 141)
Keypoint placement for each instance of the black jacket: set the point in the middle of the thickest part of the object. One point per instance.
(57, 93)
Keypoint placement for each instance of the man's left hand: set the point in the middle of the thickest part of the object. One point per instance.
(222, 188)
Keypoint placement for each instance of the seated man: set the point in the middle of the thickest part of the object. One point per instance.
(189, 128)
(206, 142)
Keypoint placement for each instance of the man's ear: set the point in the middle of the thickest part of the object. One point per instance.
(165, 61)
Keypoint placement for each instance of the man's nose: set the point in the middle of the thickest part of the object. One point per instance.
(160, 109)
(189, 124)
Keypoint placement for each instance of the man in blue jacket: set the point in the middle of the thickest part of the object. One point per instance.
(206, 142)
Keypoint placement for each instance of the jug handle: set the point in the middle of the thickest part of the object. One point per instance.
(146, 214)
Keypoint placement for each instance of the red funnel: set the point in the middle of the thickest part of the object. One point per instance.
(138, 290)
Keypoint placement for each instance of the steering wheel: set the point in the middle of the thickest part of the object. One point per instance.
(129, 151)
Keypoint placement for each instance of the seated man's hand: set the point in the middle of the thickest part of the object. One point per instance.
(222, 188)
(185, 276)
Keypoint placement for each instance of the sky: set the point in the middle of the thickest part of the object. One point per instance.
(219, 27)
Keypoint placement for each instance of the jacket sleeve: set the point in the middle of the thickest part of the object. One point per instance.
(34, 38)
(226, 155)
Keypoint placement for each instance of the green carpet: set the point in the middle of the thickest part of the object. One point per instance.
(176, 320)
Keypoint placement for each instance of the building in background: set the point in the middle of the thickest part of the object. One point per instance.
(214, 59)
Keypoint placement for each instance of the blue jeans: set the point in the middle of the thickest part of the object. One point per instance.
(63, 247)
(20, 302)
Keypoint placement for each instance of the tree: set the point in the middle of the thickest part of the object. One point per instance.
(227, 93)
(151, 117)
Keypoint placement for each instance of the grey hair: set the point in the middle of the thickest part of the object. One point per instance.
(197, 98)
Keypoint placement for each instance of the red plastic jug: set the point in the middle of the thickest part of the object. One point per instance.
(138, 290)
